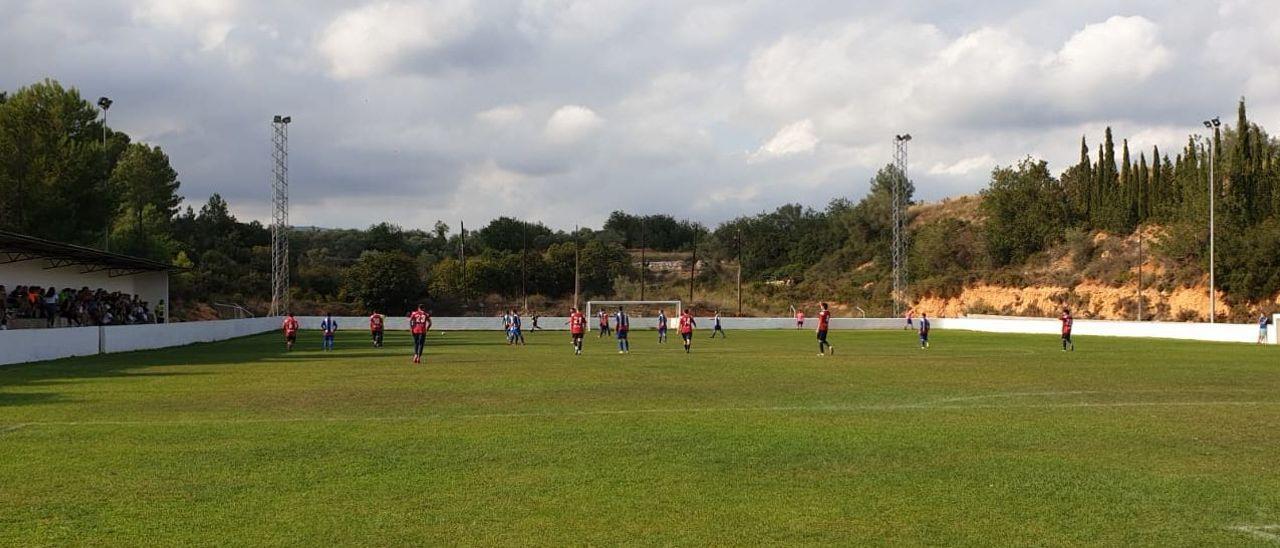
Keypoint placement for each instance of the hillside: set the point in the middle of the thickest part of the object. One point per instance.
(1094, 273)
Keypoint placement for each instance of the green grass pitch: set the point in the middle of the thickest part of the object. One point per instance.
(983, 439)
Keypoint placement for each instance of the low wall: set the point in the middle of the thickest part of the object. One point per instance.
(125, 338)
(32, 345)
(1220, 332)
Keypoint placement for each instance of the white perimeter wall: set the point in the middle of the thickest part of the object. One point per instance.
(29, 345)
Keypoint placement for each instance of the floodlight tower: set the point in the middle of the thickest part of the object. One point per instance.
(1212, 125)
(280, 215)
(900, 294)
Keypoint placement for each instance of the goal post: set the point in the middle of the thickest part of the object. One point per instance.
(646, 309)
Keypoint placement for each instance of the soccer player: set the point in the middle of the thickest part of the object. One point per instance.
(604, 324)
(910, 316)
(1066, 330)
(535, 327)
(1262, 329)
(824, 321)
(799, 319)
(624, 325)
(924, 331)
(577, 328)
(686, 329)
(715, 328)
(516, 334)
(506, 325)
(329, 327)
(662, 326)
(290, 331)
(419, 323)
(376, 322)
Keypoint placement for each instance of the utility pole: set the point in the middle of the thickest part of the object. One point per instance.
(1140, 183)
(693, 267)
(644, 266)
(524, 271)
(577, 279)
(739, 273)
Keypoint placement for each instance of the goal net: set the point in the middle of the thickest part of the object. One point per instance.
(639, 311)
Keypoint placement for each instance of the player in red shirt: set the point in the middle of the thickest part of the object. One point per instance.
(799, 319)
(577, 328)
(290, 331)
(376, 322)
(604, 324)
(1067, 320)
(686, 329)
(824, 321)
(419, 323)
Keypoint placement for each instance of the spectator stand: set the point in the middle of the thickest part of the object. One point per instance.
(125, 283)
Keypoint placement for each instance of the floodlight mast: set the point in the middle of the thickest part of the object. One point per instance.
(899, 244)
(280, 215)
(1212, 125)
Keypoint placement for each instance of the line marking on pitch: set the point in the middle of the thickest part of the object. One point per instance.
(658, 411)
(1264, 532)
(12, 427)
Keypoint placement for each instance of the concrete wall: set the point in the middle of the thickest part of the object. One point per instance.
(125, 338)
(151, 287)
(33, 345)
(30, 345)
(1220, 332)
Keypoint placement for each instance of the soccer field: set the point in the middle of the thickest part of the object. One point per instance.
(981, 440)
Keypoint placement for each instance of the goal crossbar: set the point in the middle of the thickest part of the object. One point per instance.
(592, 305)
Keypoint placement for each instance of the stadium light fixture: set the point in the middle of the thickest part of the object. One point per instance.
(904, 137)
(1212, 124)
(104, 103)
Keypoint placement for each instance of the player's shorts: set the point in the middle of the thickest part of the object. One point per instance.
(909, 322)
(622, 334)
(662, 329)
(577, 336)
(1066, 336)
(290, 337)
(686, 336)
(822, 336)
(924, 337)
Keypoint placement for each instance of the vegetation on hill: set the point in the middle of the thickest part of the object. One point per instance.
(65, 176)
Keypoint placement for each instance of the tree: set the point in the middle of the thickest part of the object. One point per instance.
(385, 282)
(53, 166)
(148, 187)
(1025, 211)
(508, 234)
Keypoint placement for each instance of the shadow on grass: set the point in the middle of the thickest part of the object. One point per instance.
(266, 348)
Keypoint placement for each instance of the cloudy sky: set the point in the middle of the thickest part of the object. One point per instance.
(562, 111)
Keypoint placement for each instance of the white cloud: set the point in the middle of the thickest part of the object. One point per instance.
(1112, 53)
(376, 38)
(964, 166)
(571, 123)
(794, 138)
(501, 115)
(746, 105)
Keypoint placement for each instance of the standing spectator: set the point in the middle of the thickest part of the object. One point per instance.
(50, 303)
(160, 310)
(4, 303)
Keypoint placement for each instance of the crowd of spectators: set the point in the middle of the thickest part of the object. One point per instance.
(76, 308)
